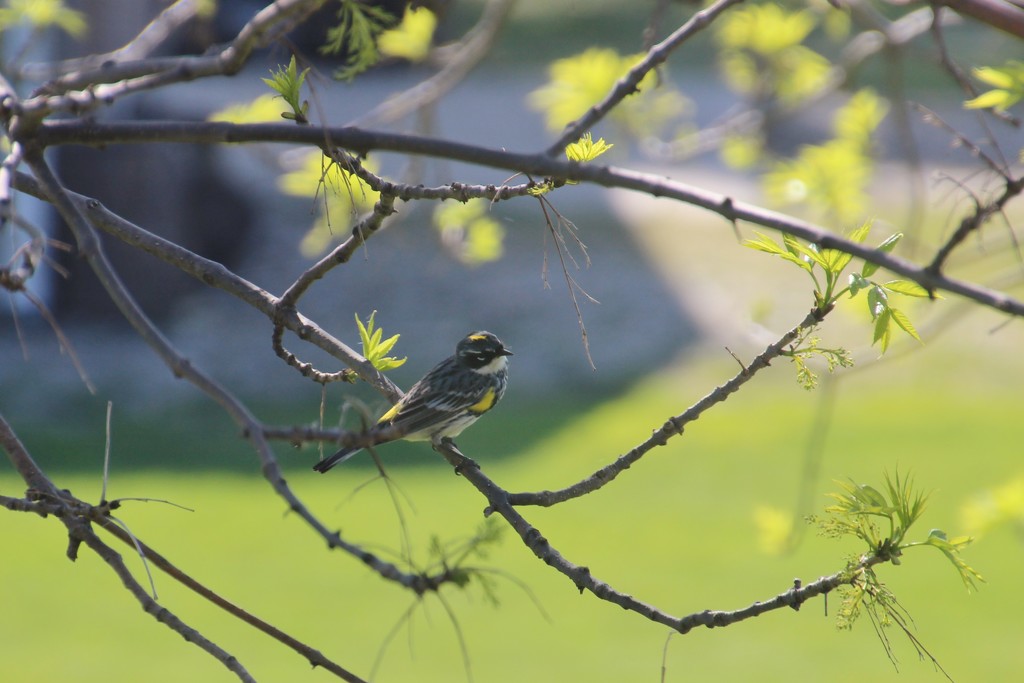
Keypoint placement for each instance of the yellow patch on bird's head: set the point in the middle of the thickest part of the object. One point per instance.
(477, 337)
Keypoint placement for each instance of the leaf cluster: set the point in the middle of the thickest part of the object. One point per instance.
(1007, 86)
(863, 511)
(583, 150)
(576, 83)
(43, 14)
(355, 37)
(287, 83)
(468, 232)
(375, 348)
(859, 510)
(762, 53)
(830, 287)
(832, 176)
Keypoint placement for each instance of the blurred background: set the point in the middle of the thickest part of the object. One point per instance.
(712, 521)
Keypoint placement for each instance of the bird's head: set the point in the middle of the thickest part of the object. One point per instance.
(483, 352)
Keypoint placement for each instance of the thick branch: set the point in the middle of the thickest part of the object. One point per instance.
(1000, 14)
(362, 141)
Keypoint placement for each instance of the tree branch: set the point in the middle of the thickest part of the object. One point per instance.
(675, 425)
(83, 90)
(47, 499)
(251, 428)
(363, 141)
(999, 14)
(500, 502)
(628, 84)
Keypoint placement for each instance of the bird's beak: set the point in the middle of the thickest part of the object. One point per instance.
(506, 352)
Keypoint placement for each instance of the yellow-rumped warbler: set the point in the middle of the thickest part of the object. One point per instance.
(448, 399)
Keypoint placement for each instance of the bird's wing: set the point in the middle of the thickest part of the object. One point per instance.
(434, 398)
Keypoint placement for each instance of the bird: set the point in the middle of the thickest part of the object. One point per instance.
(449, 398)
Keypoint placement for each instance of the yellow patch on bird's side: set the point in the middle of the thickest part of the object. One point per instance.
(390, 415)
(484, 404)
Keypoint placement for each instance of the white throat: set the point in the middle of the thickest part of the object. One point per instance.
(497, 365)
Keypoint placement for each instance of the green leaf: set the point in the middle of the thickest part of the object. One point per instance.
(356, 36)
(998, 78)
(764, 243)
(861, 233)
(878, 301)
(411, 39)
(907, 288)
(885, 247)
(375, 350)
(890, 243)
(767, 244)
(585, 149)
(266, 108)
(901, 319)
(795, 247)
(857, 283)
(999, 100)
(1008, 82)
(469, 232)
(883, 332)
(835, 260)
(287, 83)
(951, 549)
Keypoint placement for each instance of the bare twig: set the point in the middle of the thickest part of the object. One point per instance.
(627, 85)
(500, 503)
(75, 515)
(674, 425)
(84, 533)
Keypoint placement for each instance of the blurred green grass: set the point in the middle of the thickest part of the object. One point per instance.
(676, 530)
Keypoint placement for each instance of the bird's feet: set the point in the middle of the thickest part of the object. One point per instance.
(461, 461)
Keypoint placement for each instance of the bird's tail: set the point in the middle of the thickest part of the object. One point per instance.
(336, 459)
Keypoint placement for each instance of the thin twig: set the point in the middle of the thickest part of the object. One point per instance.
(674, 425)
(251, 428)
(83, 91)
(627, 85)
(500, 502)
